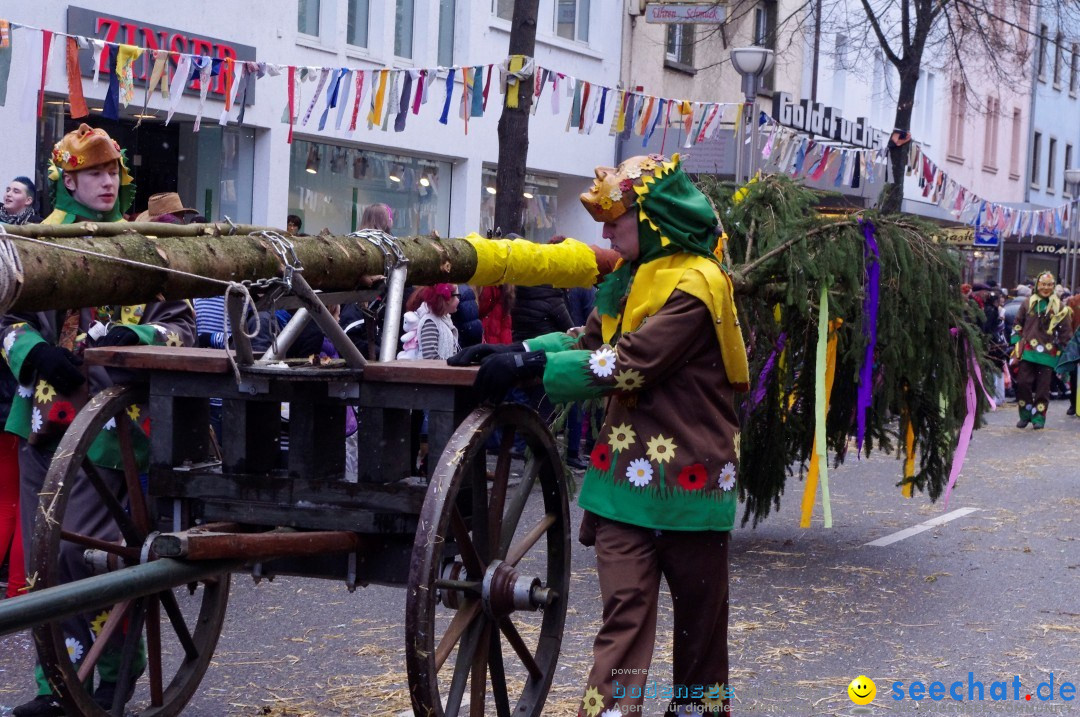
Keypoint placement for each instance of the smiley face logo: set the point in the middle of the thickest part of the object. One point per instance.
(862, 690)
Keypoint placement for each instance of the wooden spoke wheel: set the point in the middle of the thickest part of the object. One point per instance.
(488, 580)
(179, 627)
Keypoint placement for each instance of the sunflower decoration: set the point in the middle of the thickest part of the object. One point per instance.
(44, 392)
(133, 413)
(629, 380)
(592, 702)
(622, 437)
(660, 449)
(173, 339)
(98, 623)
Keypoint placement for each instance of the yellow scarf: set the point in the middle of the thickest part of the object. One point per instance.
(703, 279)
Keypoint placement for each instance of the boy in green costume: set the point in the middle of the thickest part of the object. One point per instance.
(90, 181)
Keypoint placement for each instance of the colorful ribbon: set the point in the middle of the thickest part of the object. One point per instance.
(870, 315)
(824, 373)
(766, 370)
(74, 78)
(46, 42)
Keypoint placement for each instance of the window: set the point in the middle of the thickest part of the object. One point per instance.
(1052, 155)
(1043, 30)
(1074, 68)
(572, 19)
(680, 44)
(1014, 149)
(1036, 150)
(990, 137)
(761, 27)
(956, 122)
(307, 17)
(403, 28)
(541, 205)
(357, 33)
(446, 32)
(1067, 167)
(503, 9)
(1023, 17)
(1059, 48)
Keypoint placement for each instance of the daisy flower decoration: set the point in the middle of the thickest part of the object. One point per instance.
(639, 472)
(602, 361)
(727, 476)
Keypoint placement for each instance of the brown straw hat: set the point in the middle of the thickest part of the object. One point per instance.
(164, 203)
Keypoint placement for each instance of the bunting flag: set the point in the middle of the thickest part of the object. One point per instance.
(343, 96)
(378, 96)
(292, 100)
(159, 76)
(74, 80)
(111, 109)
(5, 59)
(403, 103)
(331, 96)
(125, 58)
(179, 82)
(46, 43)
(449, 96)
(356, 102)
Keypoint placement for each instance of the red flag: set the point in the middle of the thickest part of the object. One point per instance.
(46, 42)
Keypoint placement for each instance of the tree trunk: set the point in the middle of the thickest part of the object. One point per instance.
(57, 279)
(892, 194)
(514, 128)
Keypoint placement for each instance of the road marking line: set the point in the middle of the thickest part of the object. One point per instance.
(916, 529)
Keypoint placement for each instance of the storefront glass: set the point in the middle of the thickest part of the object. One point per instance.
(541, 205)
(330, 186)
(212, 169)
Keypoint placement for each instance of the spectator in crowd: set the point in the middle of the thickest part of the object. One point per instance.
(467, 317)
(166, 203)
(378, 216)
(18, 206)
(495, 305)
(293, 225)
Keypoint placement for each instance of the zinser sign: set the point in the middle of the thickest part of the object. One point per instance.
(112, 28)
(816, 118)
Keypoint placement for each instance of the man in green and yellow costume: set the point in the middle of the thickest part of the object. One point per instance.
(664, 347)
(1042, 329)
(90, 181)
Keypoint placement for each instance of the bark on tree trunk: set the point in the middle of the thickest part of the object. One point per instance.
(514, 128)
(892, 194)
(58, 279)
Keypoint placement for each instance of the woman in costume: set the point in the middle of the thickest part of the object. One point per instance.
(664, 347)
(1041, 331)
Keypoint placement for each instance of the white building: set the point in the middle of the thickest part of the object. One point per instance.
(433, 175)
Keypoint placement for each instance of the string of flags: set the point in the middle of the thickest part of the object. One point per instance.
(347, 98)
(800, 155)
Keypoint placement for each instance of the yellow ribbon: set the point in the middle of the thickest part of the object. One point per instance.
(124, 59)
(513, 84)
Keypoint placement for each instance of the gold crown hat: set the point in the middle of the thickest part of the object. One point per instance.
(612, 192)
(83, 148)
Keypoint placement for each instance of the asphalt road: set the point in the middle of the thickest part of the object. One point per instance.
(992, 595)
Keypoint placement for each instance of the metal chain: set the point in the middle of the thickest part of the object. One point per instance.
(286, 251)
(393, 256)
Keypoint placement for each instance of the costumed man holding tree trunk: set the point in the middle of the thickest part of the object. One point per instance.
(89, 178)
(1042, 329)
(664, 346)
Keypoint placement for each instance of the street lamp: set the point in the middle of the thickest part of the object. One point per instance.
(1072, 178)
(751, 63)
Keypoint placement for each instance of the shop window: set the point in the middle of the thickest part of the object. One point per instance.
(572, 19)
(503, 9)
(307, 17)
(357, 28)
(403, 28)
(447, 10)
(331, 185)
(680, 44)
(541, 205)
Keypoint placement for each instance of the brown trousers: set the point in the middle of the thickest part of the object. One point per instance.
(629, 562)
(1033, 381)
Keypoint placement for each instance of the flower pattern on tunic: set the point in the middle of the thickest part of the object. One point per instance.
(727, 476)
(622, 437)
(661, 449)
(639, 472)
(602, 361)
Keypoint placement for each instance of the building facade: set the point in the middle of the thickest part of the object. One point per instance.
(434, 175)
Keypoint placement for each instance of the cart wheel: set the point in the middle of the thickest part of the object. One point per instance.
(487, 596)
(180, 626)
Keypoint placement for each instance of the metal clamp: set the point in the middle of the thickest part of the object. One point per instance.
(396, 269)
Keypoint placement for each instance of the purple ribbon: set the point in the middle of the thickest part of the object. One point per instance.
(766, 371)
(870, 312)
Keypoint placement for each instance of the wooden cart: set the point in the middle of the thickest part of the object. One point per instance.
(485, 589)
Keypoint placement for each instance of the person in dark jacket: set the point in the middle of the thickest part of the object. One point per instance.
(539, 310)
(467, 317)
(579, 303)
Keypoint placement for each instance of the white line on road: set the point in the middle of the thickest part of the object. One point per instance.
(916, 529)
